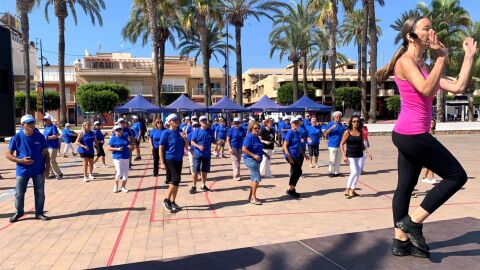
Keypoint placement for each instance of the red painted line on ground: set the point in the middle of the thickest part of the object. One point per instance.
(384, 195)
(210, 202)
(10, 224)
(125, 220)
(154, 200)
(299, 213)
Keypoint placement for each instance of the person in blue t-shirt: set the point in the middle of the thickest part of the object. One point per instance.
(285, 126)
(53, 143)
(235, 137)
(252, 157)
(128, 134)
(294, 154)
(172, 149)
(201, 140)
(68, 138)
(29, 150)
(155, 135)
(244, 125)
(120, 148)
(334, 132)
(220, 136)
(86, 141)
(307, 120)
(97, 130)
(314, 133)
(137, 134)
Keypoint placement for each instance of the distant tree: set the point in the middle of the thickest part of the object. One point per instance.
(97, 101)
(119, 89)
(350, 95)
(20, 102)
(285, 93)
(393, 104)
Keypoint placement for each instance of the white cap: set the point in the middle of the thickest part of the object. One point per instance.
(244, 119)
(287, 117)
(307, 114)
(27, 118)
(220, 118)
(47, 117)
(251, 118)
(67, 124)
(96, 123)
(194, 117)
(236, 119)
(135, 117)
(117, 127)
(119, 120)
(203, 117)
(171, 117)
(298, 117)
(187, 117)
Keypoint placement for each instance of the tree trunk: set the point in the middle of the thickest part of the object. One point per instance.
(238, 55)
(152, 24)
(363, 61)
(470, 107)
(26, 57)
(373, 60)
(324, 76)
(161, 63)
(61, 69)
(295, 80)
(202, 31)
(304, 58)
(332, 43)
(359, 63)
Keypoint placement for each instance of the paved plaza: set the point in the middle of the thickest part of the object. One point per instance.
(92, 227)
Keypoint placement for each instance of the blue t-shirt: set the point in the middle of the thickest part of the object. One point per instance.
(116, 142)
(254, 145)
(87, 140)
(126, 133)
(204, 138)
(49, 131)
(99, 135)
(67, 135)
(173, 144)
(236, 137)
(29, 146)
(136, 128)
(303, 136)
(214, 126)
(244, 126)
(293, 139)
(182, 125)
(221, 131)
(189, 129)
(285, 126)
(306, 123)
(335, 136)
(155, 136)
(314, 133)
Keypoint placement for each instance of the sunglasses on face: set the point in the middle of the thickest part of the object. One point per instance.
(256, 128)
(355, 121)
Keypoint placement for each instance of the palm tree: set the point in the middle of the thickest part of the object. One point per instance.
(195, 13)
(328, 15)
(151, 9)
(398, 24)
(24, 7)
(305, 19)
(237, 11)
(138, 27)
(372, 33)
(474, 32)
(190, 43)
(450, 21)
(61, 8)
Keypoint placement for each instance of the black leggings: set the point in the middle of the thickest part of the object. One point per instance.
(295, 170)
(156, 160)
(414, 153)
(174, 171)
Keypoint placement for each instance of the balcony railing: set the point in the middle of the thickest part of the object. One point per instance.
(201, 92)
(173, 89)
(144, 90)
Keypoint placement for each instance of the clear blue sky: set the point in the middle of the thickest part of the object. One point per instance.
(255, 43)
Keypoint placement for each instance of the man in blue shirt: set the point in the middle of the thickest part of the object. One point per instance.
(201, 141)
(335, 131)
(68, 137)
(53, 143)
(285, 126)
(306, 121)
(137, 134)
(314, 133)
(29, 150)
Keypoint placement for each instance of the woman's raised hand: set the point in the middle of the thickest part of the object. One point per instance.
(470, 46)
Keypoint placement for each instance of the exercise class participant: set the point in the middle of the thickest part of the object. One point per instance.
(235, 136)
(97, 130)
(120, 147)
(155, 136)
(85, 141)
(293, 152)
(417, 148)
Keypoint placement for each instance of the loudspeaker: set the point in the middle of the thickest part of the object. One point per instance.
(7, 97)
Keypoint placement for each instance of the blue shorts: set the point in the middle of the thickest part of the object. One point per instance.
(201, 164)
(254, 168)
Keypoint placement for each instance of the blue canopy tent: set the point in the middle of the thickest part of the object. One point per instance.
(226, 105)
(138, 105)
(265, 104)
(184, 104)
(307, 104)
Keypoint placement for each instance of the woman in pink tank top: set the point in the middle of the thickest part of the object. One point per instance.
(417, 148)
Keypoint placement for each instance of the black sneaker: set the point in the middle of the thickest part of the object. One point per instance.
(175, 206)
(406, 248)
(137, 158)
(415, 231)
(167, 205)
(337, 175)
(293, 193)
(193, 190)
(205, 188)
(331, 175)
(296, 194)
(15, 218)
(168, 182)
(42, 217)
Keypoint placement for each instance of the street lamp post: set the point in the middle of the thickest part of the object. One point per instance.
(43, 80)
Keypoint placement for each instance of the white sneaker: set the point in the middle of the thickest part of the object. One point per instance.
(124, 190)
(429, 181)
(106, 166)
(312, 166)
(317, 166)
(115, 189)
(86, 179)
(90, 177)
(96, 166)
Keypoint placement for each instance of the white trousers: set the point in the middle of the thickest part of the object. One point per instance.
(265, 164)
(122, 166)
(335, 160)
(68, 146)
(356, 167)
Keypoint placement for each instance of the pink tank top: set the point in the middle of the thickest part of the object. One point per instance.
(415, 109)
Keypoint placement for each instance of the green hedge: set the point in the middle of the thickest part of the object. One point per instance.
(285, 92)
(350, 95)
(119, 89)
